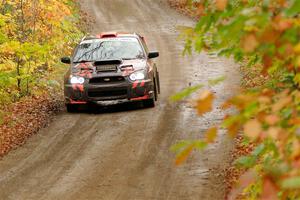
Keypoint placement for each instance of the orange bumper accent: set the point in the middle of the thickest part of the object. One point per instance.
(140, 98)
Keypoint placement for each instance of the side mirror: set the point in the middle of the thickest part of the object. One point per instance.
(65, 60)
(153, 54)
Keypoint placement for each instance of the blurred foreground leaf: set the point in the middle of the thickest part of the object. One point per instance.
(185, 93)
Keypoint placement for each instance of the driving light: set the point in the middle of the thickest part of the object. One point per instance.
(76, 80)
(137, 76)
(80, 80)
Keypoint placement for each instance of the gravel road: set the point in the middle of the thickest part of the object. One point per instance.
(122, 151)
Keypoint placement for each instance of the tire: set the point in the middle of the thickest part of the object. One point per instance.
(158, 83)
(72, 108)
(149, 103)
(155, 90)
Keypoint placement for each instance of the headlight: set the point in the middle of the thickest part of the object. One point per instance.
(81, 80)
(137, 76)
(76, 80)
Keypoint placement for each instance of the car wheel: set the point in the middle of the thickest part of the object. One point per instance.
(72, 108)
(149, 103)
(155, 90)
(158, 83)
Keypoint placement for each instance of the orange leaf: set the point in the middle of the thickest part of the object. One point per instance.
(269, 190)
(227, 104)
(221, 4)
(283, 24)
(184, 154)
(204, 103)
(252, 128)
(249, 43)
(281, 103)
(272, 119)
(245, 180)
(268, 62)
(211, 134)
(270, 35)
(294, 121)
(200, 10)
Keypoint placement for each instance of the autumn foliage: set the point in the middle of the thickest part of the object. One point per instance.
(33, 35)
(261, 35)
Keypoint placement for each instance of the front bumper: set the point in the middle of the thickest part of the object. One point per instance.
(123, 91)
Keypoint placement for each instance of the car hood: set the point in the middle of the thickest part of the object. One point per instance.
(124, 68)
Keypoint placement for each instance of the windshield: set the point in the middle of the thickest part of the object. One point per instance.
(108, 49)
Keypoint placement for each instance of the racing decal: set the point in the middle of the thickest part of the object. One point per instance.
(135, 84)
(140, 98)
(85, 70)
(84, 73)
(77, 102)
(78, 87)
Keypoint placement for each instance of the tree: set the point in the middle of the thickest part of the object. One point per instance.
(33, 34)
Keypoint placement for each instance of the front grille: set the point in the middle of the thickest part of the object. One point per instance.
(101, 80)
(112, 93)
(106, 68)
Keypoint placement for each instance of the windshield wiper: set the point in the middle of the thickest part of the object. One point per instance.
(128, 58)
(83, 61)
(138, 57)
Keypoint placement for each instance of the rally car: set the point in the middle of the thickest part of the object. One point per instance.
(111, 66)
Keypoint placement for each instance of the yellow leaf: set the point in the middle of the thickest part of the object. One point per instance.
(297, 61)
(211, 134)
(252, 128)
(204, 103)
(221, 4)
(295, 149)
(184, 154)
(297, 48)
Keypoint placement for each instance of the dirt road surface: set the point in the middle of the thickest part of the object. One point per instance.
(122, 152)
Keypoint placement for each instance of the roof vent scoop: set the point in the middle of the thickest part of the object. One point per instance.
(108, 62)
(108, 35)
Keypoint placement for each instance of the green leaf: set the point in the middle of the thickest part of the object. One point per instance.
(180, 145)
(294, 9)
(200, 145)
(216, 81)
(186, 92)
(246, 161)
(259, 150)
(291, 183)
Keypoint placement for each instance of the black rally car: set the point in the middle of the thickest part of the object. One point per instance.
(111, 66)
